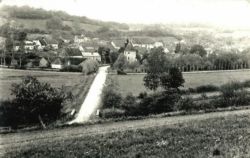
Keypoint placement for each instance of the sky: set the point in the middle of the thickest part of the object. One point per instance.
(233, 13)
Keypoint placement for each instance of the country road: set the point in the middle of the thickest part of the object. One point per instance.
(25, 140)
(93, 97)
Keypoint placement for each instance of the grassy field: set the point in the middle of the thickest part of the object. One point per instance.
(134, 83)
(77, 83)
(226, 136)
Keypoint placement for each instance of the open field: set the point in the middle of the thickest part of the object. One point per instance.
(77, 83)
(181, 136)
(134, 83)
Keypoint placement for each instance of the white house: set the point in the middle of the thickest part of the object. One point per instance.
(130, 55)
(54, 46)
(57, 64)
(166, 50)
(91, 55)
(29, 45)
(158, 44)
(38, 44)
(81, 39)
(130, 52)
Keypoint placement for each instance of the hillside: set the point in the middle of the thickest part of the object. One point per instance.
(31, 18)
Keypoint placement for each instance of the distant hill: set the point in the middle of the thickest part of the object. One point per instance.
(31, 18)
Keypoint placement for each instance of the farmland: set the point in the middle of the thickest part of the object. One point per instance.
(221, 134)
(76, 83)
(134, 83)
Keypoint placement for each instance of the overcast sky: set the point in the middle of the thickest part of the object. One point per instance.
(219, 12)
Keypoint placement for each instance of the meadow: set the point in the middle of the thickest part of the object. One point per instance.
(133, 83)
(226, 136)
(76, 83)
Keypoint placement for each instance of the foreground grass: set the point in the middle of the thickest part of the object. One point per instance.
(226, 136)
(134, 83)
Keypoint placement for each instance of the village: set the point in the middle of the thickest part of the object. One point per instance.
(135, 79)
(84, 48)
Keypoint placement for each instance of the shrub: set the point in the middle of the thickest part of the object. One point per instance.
(37, 102)
(129, 104)
(9, 114)
(233, 94)
(187, 104)
(89, 66)
(111, 99)
(112, 113)
(159, 102)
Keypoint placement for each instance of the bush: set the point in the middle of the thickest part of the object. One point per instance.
(233, 94)
(89, 66)
(187, 104)
(159, 102)
(130, 105)
(9, 114)
(37, 102)
(112, 113)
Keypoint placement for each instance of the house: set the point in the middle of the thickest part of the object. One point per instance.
(158, 44)
(91, 55)
(130, 52)
(117, 43)
(72, 52)
(38, 44)
(57, 64)
(16, 46)
(166, 50)
(29, 45)
(146, 43)
(54, 46)
(43, 41)
(43, 63)
(81, 39)
(73, 61)
(209, 50)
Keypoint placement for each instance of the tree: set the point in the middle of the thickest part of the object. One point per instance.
(157, 62)
(105, 54)
(198, 49)
(177, 48)
(113, 57)
(158, 75)
(121, 62)
(38, 102)
(173, 79)
(9, 44)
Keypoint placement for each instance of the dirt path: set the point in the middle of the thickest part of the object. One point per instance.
(93, 97)
(15, 141)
